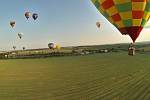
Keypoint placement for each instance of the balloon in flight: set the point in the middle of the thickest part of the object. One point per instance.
(128, 16)
(58, 47)
(12, 23)
(27, 15)
(20, 35)
(35, 16)
(98, 24)
(51, 45)
(14, 47)
(23, 48)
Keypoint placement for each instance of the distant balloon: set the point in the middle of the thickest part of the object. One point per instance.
(12, 23)
(27, 15)
(51, 45)
(14, 47)
(20, 35)
(35, 16)
(98, 24)
(58, 47)
(23, 48)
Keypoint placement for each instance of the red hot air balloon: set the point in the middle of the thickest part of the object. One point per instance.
(27, 15)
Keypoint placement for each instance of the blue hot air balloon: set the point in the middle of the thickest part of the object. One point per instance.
(35, 16)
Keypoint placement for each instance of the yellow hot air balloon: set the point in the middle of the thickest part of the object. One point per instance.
(58, 47)
(128, 16)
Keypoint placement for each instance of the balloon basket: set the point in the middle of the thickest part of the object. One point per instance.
(131, 51)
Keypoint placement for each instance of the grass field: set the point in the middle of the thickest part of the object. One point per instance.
(110, 76)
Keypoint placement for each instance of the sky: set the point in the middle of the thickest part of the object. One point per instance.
(65, 22)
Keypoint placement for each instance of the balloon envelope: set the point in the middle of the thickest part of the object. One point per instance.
(51, 45)
(14, 47)
(23, 48)
(27, 15)
(98, 24)
(20, 35)
(128, 16)
(12, 23)
(35, 16)
(58, 47)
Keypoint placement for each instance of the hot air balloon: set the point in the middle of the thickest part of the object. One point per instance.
(12, 23)
(57, 47)
(20, 35)
(51, 45)
(23, 48)
(98, 24)
(35, 16)
(14, 47)
(128, 16)
(27, 15)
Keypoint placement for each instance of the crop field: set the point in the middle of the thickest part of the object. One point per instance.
(108, 76)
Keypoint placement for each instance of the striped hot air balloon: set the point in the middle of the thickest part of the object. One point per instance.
(128, 16)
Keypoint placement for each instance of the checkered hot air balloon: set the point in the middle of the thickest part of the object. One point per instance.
(128, 16)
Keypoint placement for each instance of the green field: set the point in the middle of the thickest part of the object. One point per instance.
(110, 76)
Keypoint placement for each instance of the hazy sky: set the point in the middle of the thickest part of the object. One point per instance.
(66, 22)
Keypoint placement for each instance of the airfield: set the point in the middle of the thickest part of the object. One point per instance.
(76, 73)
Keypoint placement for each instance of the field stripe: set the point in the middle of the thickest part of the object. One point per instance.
(93, 90)
(123, 85)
